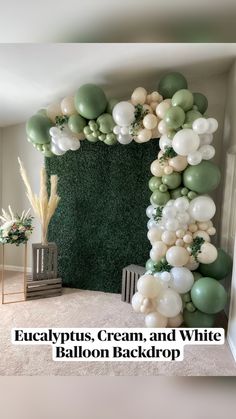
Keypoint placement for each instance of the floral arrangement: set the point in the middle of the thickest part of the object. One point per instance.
(15, 229)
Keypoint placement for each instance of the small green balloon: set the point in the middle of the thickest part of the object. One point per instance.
(91, 138)
(90, 101)
(105, 123)
(176, 193)
(171, 83)
(190, 118)
(174, 117)
(196, 275)
(154, 183)
(160, 198)
(37, 129)
(202, 178)
(186, 297)
(190, 307)
(163, 188)
(150, 265)
(218, 269)
(208, 295)
(201, 102)
(173, 180)
(110, 139)
(184, 191)
(76, 123)
(184, 99)
(198, 319)
(191, 195)
(111, 104)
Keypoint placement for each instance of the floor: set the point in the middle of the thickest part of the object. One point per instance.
(77, 308)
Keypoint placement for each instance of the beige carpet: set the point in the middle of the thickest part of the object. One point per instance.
(77, 308)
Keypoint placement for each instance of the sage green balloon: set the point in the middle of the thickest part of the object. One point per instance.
(76, 123)
(37, 129)
(111, 104)
(110, 139)
(160, 198)
(171, 83)
(42, 112)
(196, 275)
(218, 269)
(202, 178)
(208, 295)
(184, 99)
(174, 117)
(154, 183)
(176, 193)
(90, 101)
(190, 118)
(173, 180)
(198, 319)
(150, 265)
(200, 101)
(106, 123)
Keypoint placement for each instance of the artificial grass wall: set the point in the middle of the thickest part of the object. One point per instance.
(100, 225)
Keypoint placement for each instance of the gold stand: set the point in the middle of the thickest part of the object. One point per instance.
(3, 278)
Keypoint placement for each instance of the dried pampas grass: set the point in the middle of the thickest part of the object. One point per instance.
(43, 206)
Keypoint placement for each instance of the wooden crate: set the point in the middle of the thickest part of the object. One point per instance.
(130, 276)
(43, 288)
(44, 261)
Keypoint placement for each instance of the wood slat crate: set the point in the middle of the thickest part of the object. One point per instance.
(44, 261)
(130, 276)
(43, 288)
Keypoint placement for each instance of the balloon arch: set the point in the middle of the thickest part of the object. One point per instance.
(181, 283)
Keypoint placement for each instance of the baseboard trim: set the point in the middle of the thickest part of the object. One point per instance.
(16, 268)
(232, 347)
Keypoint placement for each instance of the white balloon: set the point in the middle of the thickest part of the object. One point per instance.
(137, 301)
(169, 212)
(194, 158)
(183, 218)
(207, 151)
(123, 113)
(169, 303)
(64, 143)
(151, 223)
(172, 224)
(165, 276)
(165, 142)
(206, 139)
(149, 211)
(117, 129)
(202, 208)
(181, 204)
(185, 141)
(155, 319)
(212, 125)
(200, 125)
(177, 256)
(124, 130)
(55, 132)
(56, 150)
(76, 145)
(182, 279)
(124, 139)
(170, 203)
(149, 286)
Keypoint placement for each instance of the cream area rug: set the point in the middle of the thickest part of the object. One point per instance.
(76, 308)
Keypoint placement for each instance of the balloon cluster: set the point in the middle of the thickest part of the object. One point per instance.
(182, 274)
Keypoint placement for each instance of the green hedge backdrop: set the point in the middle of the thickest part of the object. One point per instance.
(100, 225)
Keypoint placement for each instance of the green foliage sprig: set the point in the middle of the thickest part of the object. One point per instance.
(158, 215)
(61, 120)
(169, 153)
(162, 266)
(195, 247)
(139, 114)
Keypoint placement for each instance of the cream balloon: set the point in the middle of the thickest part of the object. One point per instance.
(175, 321)
(162, 108)
(68, 106)
(179, 163)
(192, 264)
(158, 250)
(169, 303)
(157, 169)
(185, 141)
(208, 253)
(144, 135)
(182, 279)
(162, 127)
(202, 208)
(139, 96)
(137, 301)
(54, 110)
(156, 319)
(177, 256)
(168, 237)
(150, 121)
(149, 286)
(203, 234)
(154, 234)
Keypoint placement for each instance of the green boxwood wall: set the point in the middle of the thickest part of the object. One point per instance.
(100, 224)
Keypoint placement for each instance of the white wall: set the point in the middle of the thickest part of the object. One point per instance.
(229, 222)
(14, 144)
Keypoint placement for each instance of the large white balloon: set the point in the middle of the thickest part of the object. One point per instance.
(182, 279)
(149, 286)
(202, 208)
(200, 125)
(155, 319)
(169, 303)
(194, 158)
(165, 142)
(123, 113)
(185, 141)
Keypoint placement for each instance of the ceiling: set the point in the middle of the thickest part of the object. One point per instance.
(34, 75)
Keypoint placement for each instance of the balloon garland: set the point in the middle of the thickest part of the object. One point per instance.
(182, 274)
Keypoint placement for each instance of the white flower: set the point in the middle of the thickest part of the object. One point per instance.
(5, 233)
(15, 237)
(7, 225)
